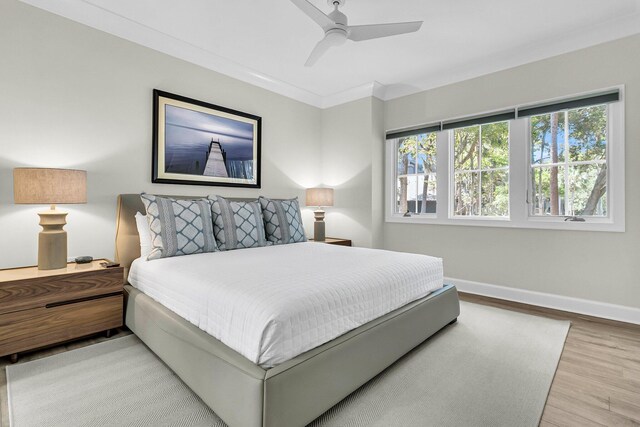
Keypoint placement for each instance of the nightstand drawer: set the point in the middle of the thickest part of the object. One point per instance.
(29, 329)
(37, 292)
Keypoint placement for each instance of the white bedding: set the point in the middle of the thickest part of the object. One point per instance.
(271, 304)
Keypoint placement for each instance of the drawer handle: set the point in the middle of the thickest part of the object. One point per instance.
(75, 301)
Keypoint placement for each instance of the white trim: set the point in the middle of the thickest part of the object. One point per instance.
(373, 89)
(102, 19)
(542, 224)
(87, 13)
(105, 20)
(558, 302)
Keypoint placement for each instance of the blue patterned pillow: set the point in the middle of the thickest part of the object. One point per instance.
(282, 221)
(237, 225)
(179, 227)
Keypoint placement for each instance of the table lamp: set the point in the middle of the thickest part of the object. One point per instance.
(50, 186)
(319, 197)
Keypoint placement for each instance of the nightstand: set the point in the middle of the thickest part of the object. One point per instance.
(39, 308)
(335, 241)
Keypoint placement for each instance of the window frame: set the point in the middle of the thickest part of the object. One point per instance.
(519, 182)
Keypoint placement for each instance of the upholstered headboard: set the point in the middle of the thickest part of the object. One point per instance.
(127, 240)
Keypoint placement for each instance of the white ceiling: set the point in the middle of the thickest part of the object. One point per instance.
(266, 42)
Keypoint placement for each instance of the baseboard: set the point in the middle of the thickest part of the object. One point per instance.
(558, 302)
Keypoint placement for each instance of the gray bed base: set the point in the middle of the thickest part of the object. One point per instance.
(299, 390)
(295, 392)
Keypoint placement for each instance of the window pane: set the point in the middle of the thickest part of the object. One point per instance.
(495, 193)
(466, 194)
(495, 145)
(407, 155)
(427, 193)
(588, 133)
(427, 152)
(585, 142)
(483, 148)
(548, 191)
(547, 138)
(406, 193)
(466, 153)
(416, 174)
(588, 186)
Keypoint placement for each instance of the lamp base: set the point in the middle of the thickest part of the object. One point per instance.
(318, 226)
(52, 241)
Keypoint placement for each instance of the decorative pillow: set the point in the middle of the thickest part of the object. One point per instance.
(237, 225)
(144, 234)
(179, 227)
(282, 221)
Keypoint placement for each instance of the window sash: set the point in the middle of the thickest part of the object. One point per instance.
(453, 172)
(566, 164)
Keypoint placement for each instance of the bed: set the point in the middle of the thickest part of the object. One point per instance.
(252, 390)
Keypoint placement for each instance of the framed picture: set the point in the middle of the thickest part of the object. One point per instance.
(198, 143)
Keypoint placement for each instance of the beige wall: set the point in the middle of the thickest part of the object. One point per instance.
(72, 96)
(353, 164)
(592, 265)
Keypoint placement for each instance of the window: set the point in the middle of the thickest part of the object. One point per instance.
(481, 170)
(556, 165)
(569, 162)
(416, 174)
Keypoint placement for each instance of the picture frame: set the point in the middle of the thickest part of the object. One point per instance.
(198, 143)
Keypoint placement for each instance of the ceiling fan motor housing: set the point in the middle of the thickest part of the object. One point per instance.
(337, 36)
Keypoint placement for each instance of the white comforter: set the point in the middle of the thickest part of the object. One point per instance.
(273, 303)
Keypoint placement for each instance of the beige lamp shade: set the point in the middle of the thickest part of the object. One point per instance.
(49, 186)
(319, 197)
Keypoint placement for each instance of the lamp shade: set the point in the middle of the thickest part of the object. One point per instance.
(49, 186)
(319, 197)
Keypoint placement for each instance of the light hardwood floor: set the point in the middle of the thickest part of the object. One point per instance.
(597, 382)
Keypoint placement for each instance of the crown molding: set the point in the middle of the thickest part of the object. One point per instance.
(605, 32)
(105, 20)
(373, 89)
(84, 12)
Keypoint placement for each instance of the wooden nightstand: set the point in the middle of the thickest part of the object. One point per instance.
(44, 307)
(335, 241)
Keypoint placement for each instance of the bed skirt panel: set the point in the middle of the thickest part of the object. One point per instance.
(295, 397)
(295, 392)
(229, 384)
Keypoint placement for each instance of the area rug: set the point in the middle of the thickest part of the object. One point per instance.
(492, 368)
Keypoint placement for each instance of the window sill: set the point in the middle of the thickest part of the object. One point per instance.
(535, 223)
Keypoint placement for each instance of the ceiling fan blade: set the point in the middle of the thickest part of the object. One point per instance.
(314, 13)
(321, 48)
(367, 32)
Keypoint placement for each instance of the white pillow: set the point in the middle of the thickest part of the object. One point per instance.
(145, 235)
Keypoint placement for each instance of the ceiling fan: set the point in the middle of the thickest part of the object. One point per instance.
(336, 30)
